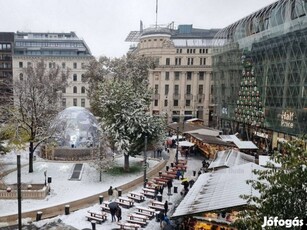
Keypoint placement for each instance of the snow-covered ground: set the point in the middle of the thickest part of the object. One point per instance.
(64, 190)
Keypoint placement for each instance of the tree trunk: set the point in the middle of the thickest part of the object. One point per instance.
(126, 163)
(31, 157)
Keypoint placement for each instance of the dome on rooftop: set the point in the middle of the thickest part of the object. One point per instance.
(75, 127)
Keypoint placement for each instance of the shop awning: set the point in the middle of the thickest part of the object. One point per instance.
(229, 158)
(218, 190)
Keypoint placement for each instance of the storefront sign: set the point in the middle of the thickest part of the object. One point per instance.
(287, 118)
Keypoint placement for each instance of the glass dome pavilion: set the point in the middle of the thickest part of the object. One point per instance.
(75, 127)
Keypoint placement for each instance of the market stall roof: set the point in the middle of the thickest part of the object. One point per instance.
(229, 158)
(185, 144)
(210, 139)
(194, 128)
(240, 144)
(174, 137)
(218, 190)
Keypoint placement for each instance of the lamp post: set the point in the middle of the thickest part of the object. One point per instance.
(18, 192)
(145, 162)
(177, 146)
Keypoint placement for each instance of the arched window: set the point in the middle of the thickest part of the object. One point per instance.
(75, 89)
(83, 89)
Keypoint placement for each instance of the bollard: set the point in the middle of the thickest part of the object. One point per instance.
(39, 215)
(159, 198)
(67, 209)
(119, 192)
(100, 199)
(93, 225)
(194, 173)
(175, 189)
(160, 173)
(167, 167)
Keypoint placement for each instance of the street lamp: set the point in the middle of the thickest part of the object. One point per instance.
(177, 145)
(145, 162)
(9, 189)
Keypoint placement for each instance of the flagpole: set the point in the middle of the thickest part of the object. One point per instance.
(156, 13)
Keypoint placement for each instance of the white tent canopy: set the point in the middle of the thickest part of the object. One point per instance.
(240, 144)
(218, 190)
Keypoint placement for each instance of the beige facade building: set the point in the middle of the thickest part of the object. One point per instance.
(63, 49)
(183, 78)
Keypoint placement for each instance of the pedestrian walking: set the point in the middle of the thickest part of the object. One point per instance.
(169, 186)
(161, 189)
(118, 213)
(115, 194)
(156, 192)
(165, 207)
(110, 193)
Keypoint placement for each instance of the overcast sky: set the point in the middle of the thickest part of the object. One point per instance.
(104, 24)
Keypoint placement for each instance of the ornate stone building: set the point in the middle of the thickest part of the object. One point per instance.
(183, 78)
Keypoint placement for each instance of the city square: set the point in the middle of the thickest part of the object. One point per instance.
(114, 123)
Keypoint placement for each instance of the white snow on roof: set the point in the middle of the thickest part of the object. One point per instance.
(185, 144)
(218, 190)
(231, 157)
(264, 160)
(208, 132)
(240, 144)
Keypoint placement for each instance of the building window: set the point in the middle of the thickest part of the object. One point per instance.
(21, 76)
(168, 61)
(188, 89)
(75, 89)
(177, 61)
(75, 65)
(165, 103)
(156, 102)
(177, 74)
(201, 89)
(75, 77)
(64, 90)
(190, 61)
(82, 89)
(20, 64)
(82, 65)
(29, 64)
(82, 102)
(202, 61)
(156, 89)
(176, 89)
(51, 65)
(189, 76)
(63, 65)
(201, 76)
(75, 102)
(187, 102)
(166, 76)
(64, 102)
(166, 89)
(179, 51)
(176, 103)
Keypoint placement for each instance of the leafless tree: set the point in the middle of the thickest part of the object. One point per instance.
(37, 100)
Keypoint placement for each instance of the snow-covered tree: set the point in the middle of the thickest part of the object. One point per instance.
(283, 191)
(37, 101)
(122, 102)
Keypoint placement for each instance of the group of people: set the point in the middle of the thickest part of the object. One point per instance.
(115, 210)
(112, 193)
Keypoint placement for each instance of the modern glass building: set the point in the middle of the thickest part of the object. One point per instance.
(275, 40)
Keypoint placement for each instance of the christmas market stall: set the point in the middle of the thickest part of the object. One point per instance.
(214, 200)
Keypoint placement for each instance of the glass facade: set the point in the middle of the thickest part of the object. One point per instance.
(276, 39)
